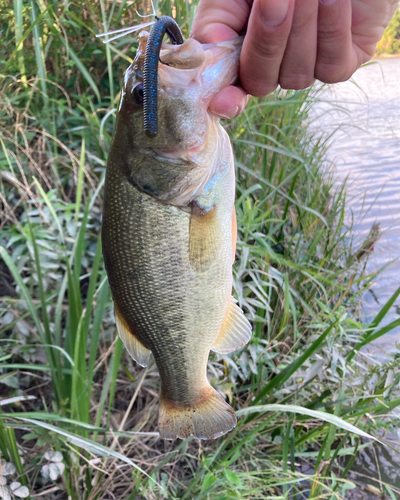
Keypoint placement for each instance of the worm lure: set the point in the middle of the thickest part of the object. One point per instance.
(163, 25)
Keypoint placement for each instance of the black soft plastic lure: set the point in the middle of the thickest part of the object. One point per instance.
(164, 25)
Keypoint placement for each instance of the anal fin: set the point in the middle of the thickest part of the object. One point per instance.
(235, 332)
(136, 349)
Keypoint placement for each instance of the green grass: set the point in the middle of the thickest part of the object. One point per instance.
(302, 391)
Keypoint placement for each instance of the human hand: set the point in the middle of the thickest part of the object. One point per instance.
(291, 42)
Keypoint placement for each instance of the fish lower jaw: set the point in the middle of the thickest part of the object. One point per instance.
(206, 142)
(181, 154)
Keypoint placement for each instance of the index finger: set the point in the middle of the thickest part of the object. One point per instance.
(218, 20)
(264, 45)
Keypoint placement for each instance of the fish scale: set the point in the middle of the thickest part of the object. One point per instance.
(159, 305)
(168, 247)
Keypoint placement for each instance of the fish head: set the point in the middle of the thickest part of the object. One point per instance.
(189, 75)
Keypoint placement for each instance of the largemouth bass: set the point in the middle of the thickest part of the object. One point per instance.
(169, 233)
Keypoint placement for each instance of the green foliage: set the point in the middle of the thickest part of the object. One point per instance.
(75, 405)
(390, 42)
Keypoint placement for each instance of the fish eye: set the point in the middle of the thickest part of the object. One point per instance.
(137, 93)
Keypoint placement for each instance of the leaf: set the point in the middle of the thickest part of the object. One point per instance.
(232, 477)
(53, 456)
(52, 470)
(15, 399)
(279, 150)
(50, 207)
(24, 291)
(278, 188)
(4, 493)
(385, 309)
(7, 468)
(81, 68)
(79, 186)
(7, 318)
(371, 335)
(18, 490)
(208, 481)
(327, 417)
(86, 444)
(287, 372)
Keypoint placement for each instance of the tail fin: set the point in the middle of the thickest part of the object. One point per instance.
(207, 418)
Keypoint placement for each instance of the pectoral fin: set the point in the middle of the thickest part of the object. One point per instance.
(235, 332)
(136, 349)
(203, 237)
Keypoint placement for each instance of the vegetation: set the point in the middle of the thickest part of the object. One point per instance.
(77, 416)
(390, 43)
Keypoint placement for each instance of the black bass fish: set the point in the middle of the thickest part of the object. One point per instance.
(169, 232)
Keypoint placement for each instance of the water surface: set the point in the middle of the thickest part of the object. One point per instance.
(365, 113)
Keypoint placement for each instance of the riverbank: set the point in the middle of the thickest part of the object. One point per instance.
(74, 405)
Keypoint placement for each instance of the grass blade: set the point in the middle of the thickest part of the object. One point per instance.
(82, 69)
(287, 372)
(85, 444)
(18, 8)
(326, 417)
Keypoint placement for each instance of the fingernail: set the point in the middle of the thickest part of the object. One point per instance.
(274, 12)
(327, 2)
(231, 113)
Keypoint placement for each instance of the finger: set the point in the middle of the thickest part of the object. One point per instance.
(229, 102)
(369, 20)
(218, 20)
(298, 65)
(264, 45)
(336, 59)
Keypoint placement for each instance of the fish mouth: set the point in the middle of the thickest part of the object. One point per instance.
(188, 77)
(212, 59)
(178, 63)
(212, 65)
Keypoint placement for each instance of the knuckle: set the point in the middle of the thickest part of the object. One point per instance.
(266, 49)
(267, 40)
(329, 36)
(258, 88)
(331, 72)
(296, 82)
